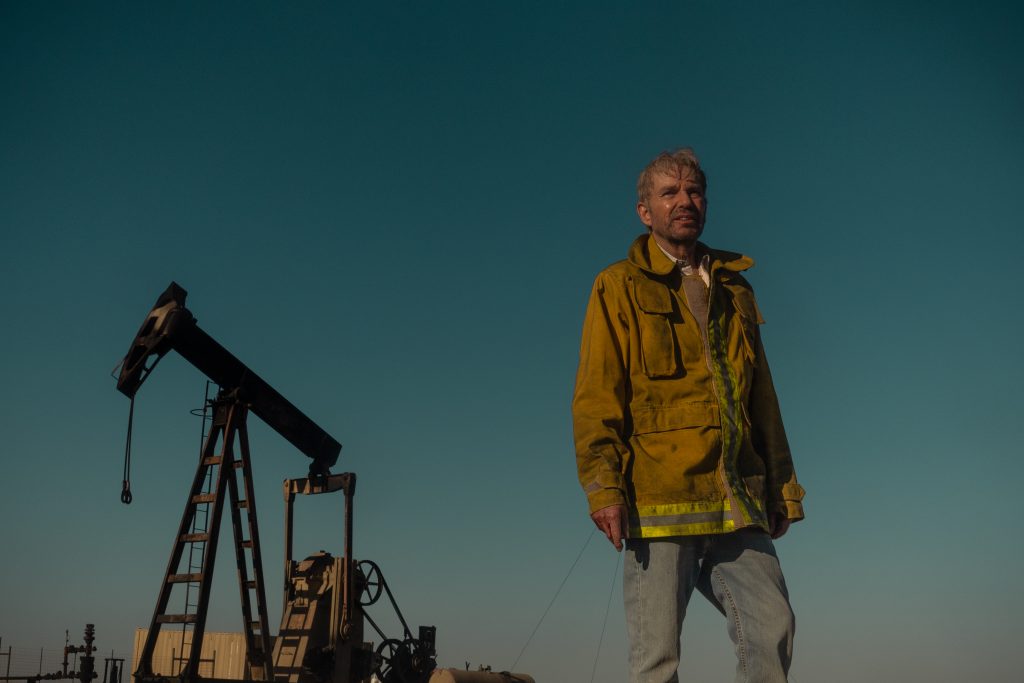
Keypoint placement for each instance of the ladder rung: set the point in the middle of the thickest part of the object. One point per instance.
(254, 625)
(194, 538)
(238, 464)
(184, 578)
(242, 504)
(250, 585)
(246, 544)
(176, 618)
(212, 460)
(204, 498)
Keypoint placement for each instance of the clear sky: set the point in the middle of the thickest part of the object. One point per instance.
(394, 215)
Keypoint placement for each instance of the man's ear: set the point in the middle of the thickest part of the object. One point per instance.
(644, 212)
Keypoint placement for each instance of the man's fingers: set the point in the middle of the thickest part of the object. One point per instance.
(616, 533)
(611, 521)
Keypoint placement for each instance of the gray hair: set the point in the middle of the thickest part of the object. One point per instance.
(669, 163)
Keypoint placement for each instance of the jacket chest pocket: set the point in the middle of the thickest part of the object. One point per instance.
(658, 344)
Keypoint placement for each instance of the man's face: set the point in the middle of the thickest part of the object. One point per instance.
(675, 209)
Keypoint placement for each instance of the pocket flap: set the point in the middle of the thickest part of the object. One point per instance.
(653, 297)
(654, 417)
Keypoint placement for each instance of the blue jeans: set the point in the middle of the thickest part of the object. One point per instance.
(738, 572)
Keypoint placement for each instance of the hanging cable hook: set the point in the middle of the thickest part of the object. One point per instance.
(126, 484)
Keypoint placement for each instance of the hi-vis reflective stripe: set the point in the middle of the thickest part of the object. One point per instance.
(730, 400)
(682, 508)
(719, 527)
(682, 519)
(687, 519)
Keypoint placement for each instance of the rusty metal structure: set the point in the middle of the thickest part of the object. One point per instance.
(87, 663)
(321, 637)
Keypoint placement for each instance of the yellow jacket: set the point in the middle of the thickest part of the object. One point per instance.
(690, 442)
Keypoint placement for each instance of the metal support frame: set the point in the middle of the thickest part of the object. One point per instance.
(229, 421)
(341, 619)
(113, 669)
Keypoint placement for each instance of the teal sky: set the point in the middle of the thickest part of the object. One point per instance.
(394, 215)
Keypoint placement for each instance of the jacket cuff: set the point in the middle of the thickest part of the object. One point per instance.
(789, 501)
(792, 509)
(604, 498)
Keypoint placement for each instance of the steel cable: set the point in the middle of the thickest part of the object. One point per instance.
(555, 597)
(607, 609)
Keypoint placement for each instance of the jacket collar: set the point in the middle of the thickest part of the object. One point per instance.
(645, 254)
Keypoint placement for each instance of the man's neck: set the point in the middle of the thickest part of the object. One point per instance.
(684, 251)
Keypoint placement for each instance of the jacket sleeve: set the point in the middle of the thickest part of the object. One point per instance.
(768, 436)
(598, 406)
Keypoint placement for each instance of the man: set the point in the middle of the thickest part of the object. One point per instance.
(679, 440)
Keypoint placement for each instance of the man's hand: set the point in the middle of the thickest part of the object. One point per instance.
(779, 525)
(612, 522)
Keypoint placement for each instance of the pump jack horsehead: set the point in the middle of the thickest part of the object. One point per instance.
(321, 638)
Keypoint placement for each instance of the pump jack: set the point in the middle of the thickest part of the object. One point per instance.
(321, 634)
